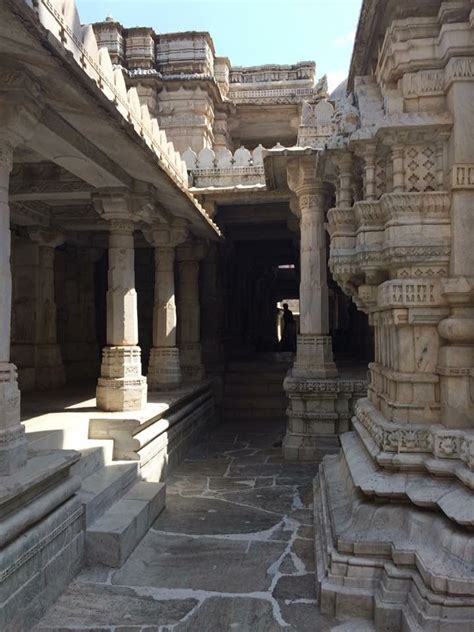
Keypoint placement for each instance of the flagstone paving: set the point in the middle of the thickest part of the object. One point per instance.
(233, 551)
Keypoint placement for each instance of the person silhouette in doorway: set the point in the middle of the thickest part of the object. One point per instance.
(288, 336)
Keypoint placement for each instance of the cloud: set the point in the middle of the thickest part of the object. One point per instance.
(345, 40)
(335, 77)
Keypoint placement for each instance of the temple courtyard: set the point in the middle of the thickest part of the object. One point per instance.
(233, 550)
(236, 328)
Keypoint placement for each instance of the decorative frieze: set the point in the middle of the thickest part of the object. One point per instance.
(413, 438)
(423, 83)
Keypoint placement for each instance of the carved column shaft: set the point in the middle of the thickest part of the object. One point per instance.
(189, 256)
(121, 385)
(369, 162)
(12, 440)
(314, 307)
(122, 315)
(314, 349)
(189, 301)
(398, 161)
(164, 369)
(164, 312)
(345, 181)
(49, 366)
(6, 154)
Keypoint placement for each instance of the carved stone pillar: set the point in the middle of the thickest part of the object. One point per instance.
(76, 305)
(314, 352)
(320, 401)
(19, 111)
(189, 310)
(212, 313)
(164, 370)
(49, 365)
(121, 385)
(12, 440)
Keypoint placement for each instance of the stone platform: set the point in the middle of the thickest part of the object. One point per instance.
(233, 549)
(91, 505)
(155, 437)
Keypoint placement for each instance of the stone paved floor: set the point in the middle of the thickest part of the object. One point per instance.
(233, 551)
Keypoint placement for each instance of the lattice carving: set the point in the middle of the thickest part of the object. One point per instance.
(420, 168)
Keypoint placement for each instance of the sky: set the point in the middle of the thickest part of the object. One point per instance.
(250, 32)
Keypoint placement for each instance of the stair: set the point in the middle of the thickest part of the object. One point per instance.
(113, 536)
(119, 507)
(253, 391)
(104, 487)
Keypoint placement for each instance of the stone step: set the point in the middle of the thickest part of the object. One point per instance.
(104, 487)
(111, 538)
(255, 378)
(257, 388)
(255, 402)
(95, 455)
(231, 414)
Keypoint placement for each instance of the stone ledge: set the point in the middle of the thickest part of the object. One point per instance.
(447, 495)
(35, 490)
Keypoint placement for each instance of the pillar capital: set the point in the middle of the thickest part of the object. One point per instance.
(191, 251)
(167, 236)
(301, 174)
(304, 181)
(90, 255)
(120, 204)
(49, 238)
(343, 160)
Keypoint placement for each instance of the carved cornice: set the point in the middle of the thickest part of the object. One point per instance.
(460, 68)
(305, 385)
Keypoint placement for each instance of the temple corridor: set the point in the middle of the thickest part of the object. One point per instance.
(233, 550)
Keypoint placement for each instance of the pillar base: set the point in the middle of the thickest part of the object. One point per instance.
(379, 554)
(314, 357)
(13, 446)
(192, 367)
(319, 411)
(164, 370)
(50, 372)
(121, 385)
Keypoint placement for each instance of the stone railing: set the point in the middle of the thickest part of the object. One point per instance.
(61, 18)
(224, 168)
